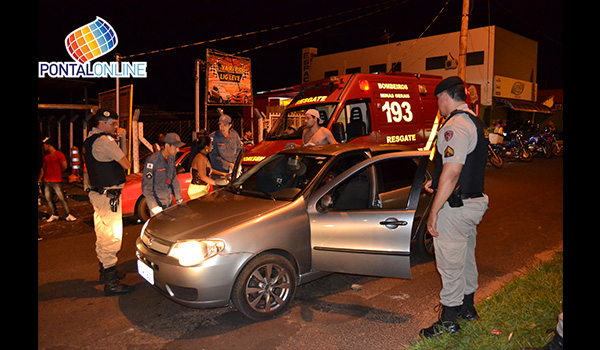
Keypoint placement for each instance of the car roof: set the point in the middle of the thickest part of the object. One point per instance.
(337, 149)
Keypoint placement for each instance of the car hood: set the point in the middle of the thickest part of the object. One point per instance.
(209, 215)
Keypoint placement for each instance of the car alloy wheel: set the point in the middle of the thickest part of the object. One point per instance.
(265, 287)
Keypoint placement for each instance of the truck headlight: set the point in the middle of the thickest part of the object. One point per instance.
(190, 253)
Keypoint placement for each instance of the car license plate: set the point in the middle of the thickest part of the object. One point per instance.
(146, 272)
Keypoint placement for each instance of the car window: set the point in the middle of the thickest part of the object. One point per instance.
(282, 176)
(290, 125)
(183, 166)
(352, 193)
(355, 119)
(394, 180)
(341, 164)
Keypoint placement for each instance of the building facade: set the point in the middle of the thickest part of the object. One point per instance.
(502, 63)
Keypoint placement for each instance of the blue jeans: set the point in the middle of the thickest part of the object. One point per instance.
(57, 188)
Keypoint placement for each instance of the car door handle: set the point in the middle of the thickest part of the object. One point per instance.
(393, 223)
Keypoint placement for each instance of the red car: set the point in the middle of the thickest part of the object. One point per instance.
(133, 201)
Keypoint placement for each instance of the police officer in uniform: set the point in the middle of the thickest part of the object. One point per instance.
(160, 182)
(458, 204)
(104, 179)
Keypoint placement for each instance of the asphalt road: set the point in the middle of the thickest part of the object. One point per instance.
(524, 224)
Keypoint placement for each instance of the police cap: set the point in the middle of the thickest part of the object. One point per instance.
(447, 84)
(106, 113)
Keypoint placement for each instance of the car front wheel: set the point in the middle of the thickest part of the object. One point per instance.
(265, 287)
(141, 209)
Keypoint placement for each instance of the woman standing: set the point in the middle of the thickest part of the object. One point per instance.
(201, 170)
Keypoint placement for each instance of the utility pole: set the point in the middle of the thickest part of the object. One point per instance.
(462, 47)
(197, 105)
(118, 87)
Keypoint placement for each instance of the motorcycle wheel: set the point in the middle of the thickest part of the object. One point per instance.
(526, 155)
(557, 149)
(496, 160)
(547, 150)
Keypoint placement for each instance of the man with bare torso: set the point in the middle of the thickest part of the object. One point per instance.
(313, 133)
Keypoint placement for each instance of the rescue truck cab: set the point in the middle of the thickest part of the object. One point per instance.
(395, 108)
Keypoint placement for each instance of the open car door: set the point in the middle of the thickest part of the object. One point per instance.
(361, 221)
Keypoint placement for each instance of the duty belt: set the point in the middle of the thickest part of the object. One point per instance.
(114, 194)
(471, 195)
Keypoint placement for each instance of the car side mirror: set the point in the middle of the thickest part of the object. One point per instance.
(326, 202)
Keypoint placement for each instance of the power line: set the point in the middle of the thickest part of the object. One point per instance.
(423, 33)
(270, 29)
(316, 30)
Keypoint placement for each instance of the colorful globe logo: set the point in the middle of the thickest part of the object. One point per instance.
(91, 41)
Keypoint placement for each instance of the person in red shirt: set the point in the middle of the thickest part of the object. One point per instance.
(54, 163)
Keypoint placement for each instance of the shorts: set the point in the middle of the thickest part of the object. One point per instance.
(196, 191)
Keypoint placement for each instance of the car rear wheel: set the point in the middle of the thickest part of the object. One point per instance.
(423, 244)
(265, 287)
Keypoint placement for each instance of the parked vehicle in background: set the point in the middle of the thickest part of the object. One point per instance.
(516, 148)
(390, 108)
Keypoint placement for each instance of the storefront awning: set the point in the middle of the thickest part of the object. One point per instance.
(520, 105)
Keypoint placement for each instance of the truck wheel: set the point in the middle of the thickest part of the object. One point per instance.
(141, 209)
(265, 287)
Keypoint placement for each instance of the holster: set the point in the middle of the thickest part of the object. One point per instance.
(114, 194)
(455, 200)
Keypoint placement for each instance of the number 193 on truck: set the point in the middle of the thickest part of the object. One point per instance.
(359, 108)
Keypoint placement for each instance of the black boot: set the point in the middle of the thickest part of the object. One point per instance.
(112, 285)
(102, 278)
(467, 311)
(446, 324)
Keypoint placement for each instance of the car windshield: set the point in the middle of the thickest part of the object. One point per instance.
(289, 126)
(280, 177)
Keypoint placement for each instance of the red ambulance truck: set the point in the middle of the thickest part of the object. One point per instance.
(365, 108)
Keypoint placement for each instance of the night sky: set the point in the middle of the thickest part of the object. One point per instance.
(144, 26)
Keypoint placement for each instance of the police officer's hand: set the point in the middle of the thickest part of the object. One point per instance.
(427, 187)
(155, 210)
(432, 224)
(122, 133)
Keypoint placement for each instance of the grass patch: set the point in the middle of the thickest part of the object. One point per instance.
(527, 308)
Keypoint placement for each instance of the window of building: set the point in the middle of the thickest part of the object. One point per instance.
(377, 68)
(475, 58)
(331, 73)
(352, 70)
(438, 62)
(396, 67)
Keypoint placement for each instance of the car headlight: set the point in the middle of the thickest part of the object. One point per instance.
(190, 253)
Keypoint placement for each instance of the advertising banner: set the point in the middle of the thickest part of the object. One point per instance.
(228, 79)
(514, 88)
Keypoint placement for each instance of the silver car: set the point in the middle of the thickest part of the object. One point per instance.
(294, 217)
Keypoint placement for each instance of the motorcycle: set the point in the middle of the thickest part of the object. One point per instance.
(516, 148)
(557, 148)
(540, 143)
(494, 155)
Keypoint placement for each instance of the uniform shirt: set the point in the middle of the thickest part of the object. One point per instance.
(159, 181)
(457, 138)
(106, 149)
(53, 171)
(225, 149)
